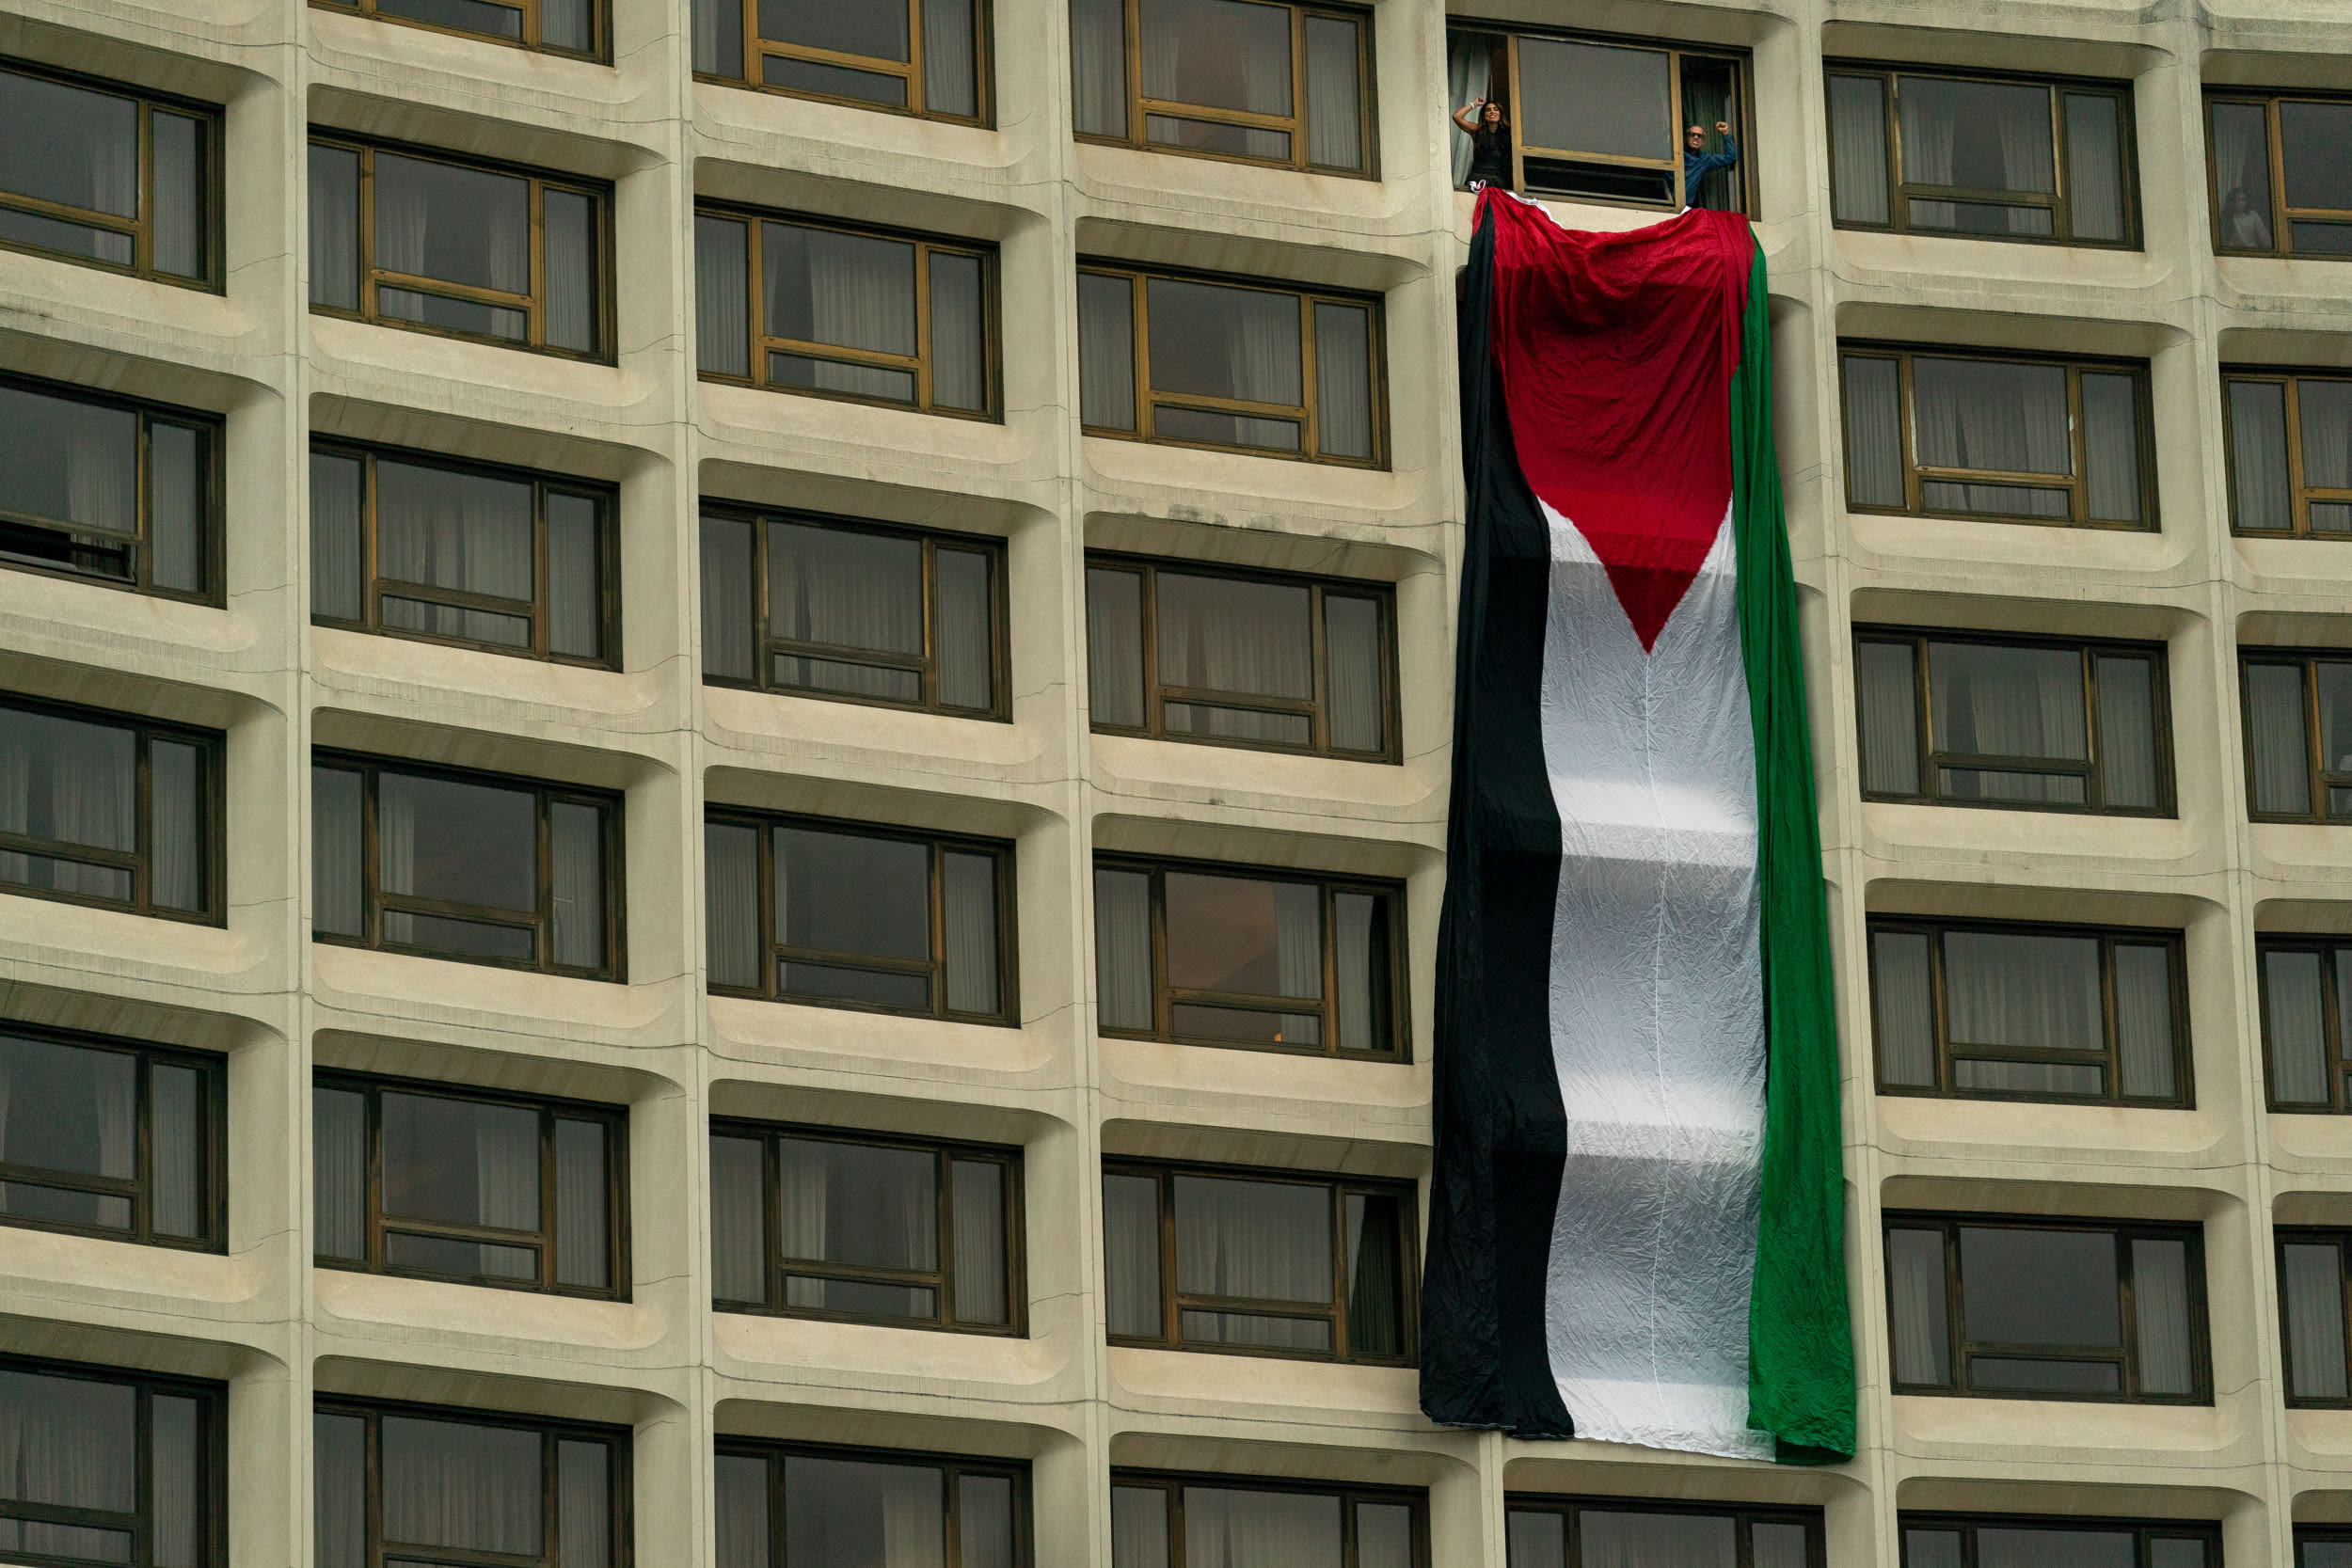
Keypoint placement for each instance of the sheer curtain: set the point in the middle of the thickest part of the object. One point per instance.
(739, 1229)
(2095, 167)
(72, 782)
(1335, 137)
(338, 1470)
(568, 221)
(71, 1442)
(728, 598)
(1221, 634)
(1098, 57)
(337, 493)
(1886, 689)
(1359, 958)
(2160, 1311)
(1107, 351)
(1351, 637)
(403, 214)
(1874, 432)
(722, 294)
(1222, 54)
(834, 1509)
(1114, 647)
(2143, 1021)
(2127, 731)
(2312, 1276)
(1931, 125)
(1343, 380)
(1138, 1527)
(978, 1209)
(949, 83)
(1469, 69)
(576, 876)
(175, 849)
(1919, 1316)
(1261, 356)
(844, 588)
(1298, 953)
(2009, 702)
(583, 1505)
(2258, 455)
(1857, 145)
(453, 1484)
(1614, 1539)
(861, 294)
(443, 529)
(335, 852)
(1988, 414)
(2009, 988)
(959, 351)
(2275, 726)
(2241, 175)
(969, 915)
(731, 903)
(1232, 1529)
(580, 1194)
(717, 41)
(1263, 1240)
(334, 189)
(1122, 949)
(102, 460)
(2326, 417)
(2294, 1028)
(1131, 1255)
(339, 1174)
(2111, 448)
(741, 1513)
(1905, 1012)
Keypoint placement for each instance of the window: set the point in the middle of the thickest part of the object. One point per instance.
(1982, 157)
(782, 1508)
(2310, 1308)
(2081, 1310)
(2281, 174)
(552, 27)
(1208, 1520)
(465, 866)
(1603, 120)
(823, 608)
(2322, 1547)
(110, 491)
(112, 1468)
(441, 1183)
(1565, 1532)
(864, 315)
(1956, 1539)
(2299, 735)
(101, 808)
(1952, 720)
(927, 57)
(2290, 443)
(1263, 1264)
(1267, 961)
(2306, 986)
(1244, 80)
(1275, 663)
(847, 916)
(395, 1481)
(109, 177)
(409, 545)
(2006, 440)
(1980, 1011)
(807, 1224)
(453, 248)
(111, 1137)
(1242, 367)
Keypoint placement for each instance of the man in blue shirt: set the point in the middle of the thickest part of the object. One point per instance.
(1697, 163)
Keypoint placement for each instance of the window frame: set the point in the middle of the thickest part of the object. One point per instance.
(211, 546)
(2299, 495)
(1923, 720)
(759, 343)
(1308, 415)
(142, 230)
(1900, 192)
(212, 746)
(2318, 778)
(1744, 1516)
(375, 1223)
(2340, 1239)
(599, 195)
(2319, 1536)
(941, 1280)
(2144, 1531)
(1175, 1303)
(540, 611)
(611, 807)
(2335, 1014)
(938, 844)
(767, 647)
(1916, 477)
(952, 1467)
(757, 50)
(1316, 709)
(600, 23)
(1295, 124)
(1960, 1348)
(1173, 1484)
(2281, 216)
(212, 1403)
(1740, 61)
(1166, 998)
(1935, 927)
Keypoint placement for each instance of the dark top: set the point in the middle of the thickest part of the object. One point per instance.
(1490, 154)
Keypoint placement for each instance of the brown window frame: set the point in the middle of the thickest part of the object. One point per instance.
(1742, 118)
(1916, 477)
(2108, 938)
(139, 550)
(756, 50)
(945, 1153)
(538, 610)
(1316, 709)
(1930, 761)
(599, 194)
(2335, 1014)
(1175, 1303)
(2282, 217)
(759, 344)
(212, 198)
(529, 39)
(210, 747)
(767, 648)
(1167, 998)
(1900, 193)
(551, 1432)
(2319, 779)
(2338, 1239)
(2145, 1532)
(546, 794)
(774, 952)
(1306, 416)
(1961, 1349)
(376, 1224)
(1744, 1517)
(1139, 109)
(952, 1468)
(2299, 494)
(1172, 1484)
(212, 1456)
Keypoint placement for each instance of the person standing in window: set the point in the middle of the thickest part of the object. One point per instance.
(1697, 163)
(1489, 133)
(2243, 226)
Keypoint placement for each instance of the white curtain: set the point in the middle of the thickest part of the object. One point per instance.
(2294, 1028)
(1227, 1528)
(738, 1234)
(179, 487)
(583, 1505)
(444, 529)
(338, 1511)
(1535, 1539)
(742, 1512)
(103, 467)
(1266, 1241)
(717, 39)
(1357, 958)
(1619, 1540)
(453, 1484)
(1886, 690)
(1994, 415)
(178, 1502)
(843, 587)
(575, 608)
(403, 213)
(339, 1174)
(855, 1203)
(977, 1191)
(1298, 953)
(1138, 1527)
(2127, 731)
(462, 225)
(334, 182)
(2160, 1311)
(505, 1153)
(963, 639)
(731, 903)
(1220, 54)
(727, 611)
(569, 266)
(2013, 989)
(175, 857)
(1107, 351)
(1335, 136)
(1931, 125)
(1343, 380)
(1468, 70)
(2326, 416)
(2311, 1275)
(337, 499)
(576, 876)
(2110, 448)
(71, 1442)
(1114, 647)
(1351, 637)
(860, 294)
(335, 852)
(580, 1192)
(2143, 1021)
(1874, 432)
(723, 296)
(1902, 990)
(1915, 1267)
(2023, 703)
(969, 915)
(2258, 455)
(1857, 145)
(2279, 739)
(396, 836)
(949, 80)
(959, 351)
(1224, 634)
(71, 781)
(2095, 167)
(1262, 351)
(1131, 1255)
(838, 1506)
(2241, 175)
(1098, 57)
(1122, 949)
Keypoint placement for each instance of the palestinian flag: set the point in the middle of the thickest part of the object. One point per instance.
(1636, 1228)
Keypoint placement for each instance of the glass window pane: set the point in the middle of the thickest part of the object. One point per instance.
(967, 674)
(2324, 411)
(1857, 148)
(176, 851)
(175, 1165)
(1300, 1529)
(1360, 959)
(575, 599)
(334, 227)
(1874, 438)
(742, 1512)
(338, 500)
(1114, 647)
(959, 330)
(1106, 348)
(2313, 137)
(1218, 53)
(460, 1161)
(2277, 736)
(445, 528)
(2176, 1553)
(2022, 1287)
(1353, 650)
(1243, 935)
(1098, 49)
(2016, 1546)
(2241, 175)
(69, 1109)
(1685, 1539)
(2160, 1313)
(1263, 1240)
(2259, 482)
(977, 1188)
(1343, 380)
(575, 881)
(583, 1193)
(2143, 1021)
(738, 1238)
(339, 1513)
(850, 892)
(2111, 448)
(1591, 97)
(2127, 731)
(1886, 694)
(1131, 1255)
(2310, 1276)
(847, 291)
(731, 903)
(721, 273)
(969, 928)
(339, 1166)
(584, 1504)
(1213, 339)
(2007, 701)
(568, 268)
(837, 1509)
(73, 146)
(727, 590)
(858, 1203)
(2333, 680)
(77, 786)
(1931, 1548)
(1122, 949)
(844, 588)
(69, 461)
(1992, 415)
(567, 24)
(1334, 97)
(2095, 166)
(454, 224)
(1138, 1527)
(179, 501)
(1978, 135)
(984, 1521)
(1780, 1546)
(1233, 635)
(458, 842)
(456, 1484)
(1920, 1315)
(2294, 1028)
(1535, 1540)
(1374, 1264)
(1904, 1008)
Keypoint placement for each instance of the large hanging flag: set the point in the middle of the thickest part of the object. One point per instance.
(1636, 1227)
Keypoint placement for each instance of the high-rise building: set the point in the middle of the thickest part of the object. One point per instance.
(724, 735)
